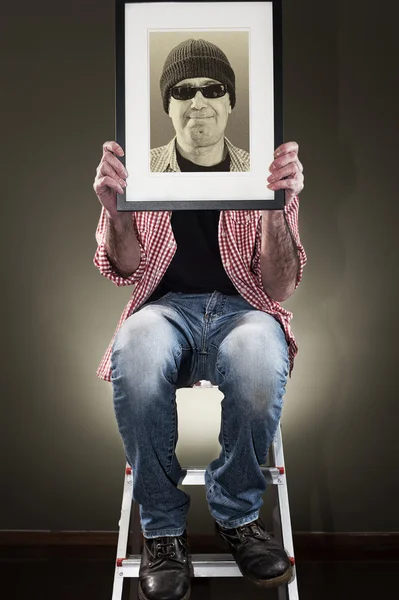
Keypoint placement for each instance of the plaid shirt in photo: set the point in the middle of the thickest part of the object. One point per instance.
(164, 160)
(239, 242)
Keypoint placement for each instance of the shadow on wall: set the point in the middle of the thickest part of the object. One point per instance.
(329, 168)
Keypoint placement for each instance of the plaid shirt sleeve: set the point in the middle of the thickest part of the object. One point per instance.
(103, 263)
(291, 218)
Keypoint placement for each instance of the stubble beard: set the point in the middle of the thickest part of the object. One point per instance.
(202, 135)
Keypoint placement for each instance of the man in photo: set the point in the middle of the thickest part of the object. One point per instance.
(198, 93)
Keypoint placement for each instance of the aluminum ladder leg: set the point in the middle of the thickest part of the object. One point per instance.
(213, 565)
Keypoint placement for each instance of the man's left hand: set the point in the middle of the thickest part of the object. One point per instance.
(286, 171)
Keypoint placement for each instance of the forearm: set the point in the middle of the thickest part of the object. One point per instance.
(279, 262)
(121, 244)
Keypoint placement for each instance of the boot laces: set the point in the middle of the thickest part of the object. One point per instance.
(251, 530)
(164, 549)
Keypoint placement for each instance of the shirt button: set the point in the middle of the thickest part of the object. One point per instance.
(227, 263)
(171, 244)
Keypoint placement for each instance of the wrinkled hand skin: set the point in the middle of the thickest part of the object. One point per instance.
(110, 177)
(286, 171)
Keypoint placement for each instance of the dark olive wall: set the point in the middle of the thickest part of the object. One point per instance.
(61, 457)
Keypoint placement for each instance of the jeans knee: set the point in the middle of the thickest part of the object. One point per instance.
(255, 351)
(253, 366)
(145, 347)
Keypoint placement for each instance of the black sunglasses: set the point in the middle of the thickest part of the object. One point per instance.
(185, 92)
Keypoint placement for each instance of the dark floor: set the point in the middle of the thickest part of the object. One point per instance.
(63, 579)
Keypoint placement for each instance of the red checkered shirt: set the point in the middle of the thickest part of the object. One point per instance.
(239, 242)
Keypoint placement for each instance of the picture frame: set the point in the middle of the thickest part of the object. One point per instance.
(200, 44)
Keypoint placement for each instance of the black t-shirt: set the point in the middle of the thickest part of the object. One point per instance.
(196, 266)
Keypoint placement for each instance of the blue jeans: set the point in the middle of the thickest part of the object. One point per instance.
(172, 343)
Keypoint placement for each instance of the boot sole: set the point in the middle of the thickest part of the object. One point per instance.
(142, 596)
(274, 582)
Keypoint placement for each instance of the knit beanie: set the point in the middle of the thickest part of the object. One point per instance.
(196, 58)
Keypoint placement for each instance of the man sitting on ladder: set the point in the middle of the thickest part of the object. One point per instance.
(205, 306)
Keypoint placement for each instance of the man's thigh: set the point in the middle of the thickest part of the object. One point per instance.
(251, 347)
(153, 339)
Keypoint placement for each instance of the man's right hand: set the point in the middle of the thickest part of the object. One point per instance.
(110, 177)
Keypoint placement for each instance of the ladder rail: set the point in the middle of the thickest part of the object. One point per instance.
(213, 565)
(123, 535)
(283, 518)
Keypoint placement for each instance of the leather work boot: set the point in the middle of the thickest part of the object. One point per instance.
(258, 556)
(164, 569)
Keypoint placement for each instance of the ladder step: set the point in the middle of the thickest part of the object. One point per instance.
(195, 476)
(204, 565)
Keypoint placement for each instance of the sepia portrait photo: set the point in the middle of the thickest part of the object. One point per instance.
(198, 103)
(199, 107)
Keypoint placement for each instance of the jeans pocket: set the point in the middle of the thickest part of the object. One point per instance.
(146, 303)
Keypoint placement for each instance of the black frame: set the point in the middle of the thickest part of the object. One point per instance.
(279, 196)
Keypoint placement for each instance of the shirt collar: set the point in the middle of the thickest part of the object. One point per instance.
(235, 165)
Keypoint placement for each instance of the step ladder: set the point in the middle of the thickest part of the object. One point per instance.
(213, 565)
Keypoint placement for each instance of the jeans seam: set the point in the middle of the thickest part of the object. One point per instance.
(203, 354)
(226, 448)
(223, 377)
(172, 442)
(221, 307)
(175, 373)
(162, 533)
(238, 522)
(222, 423)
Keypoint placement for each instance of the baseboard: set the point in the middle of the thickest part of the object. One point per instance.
(101, 545)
